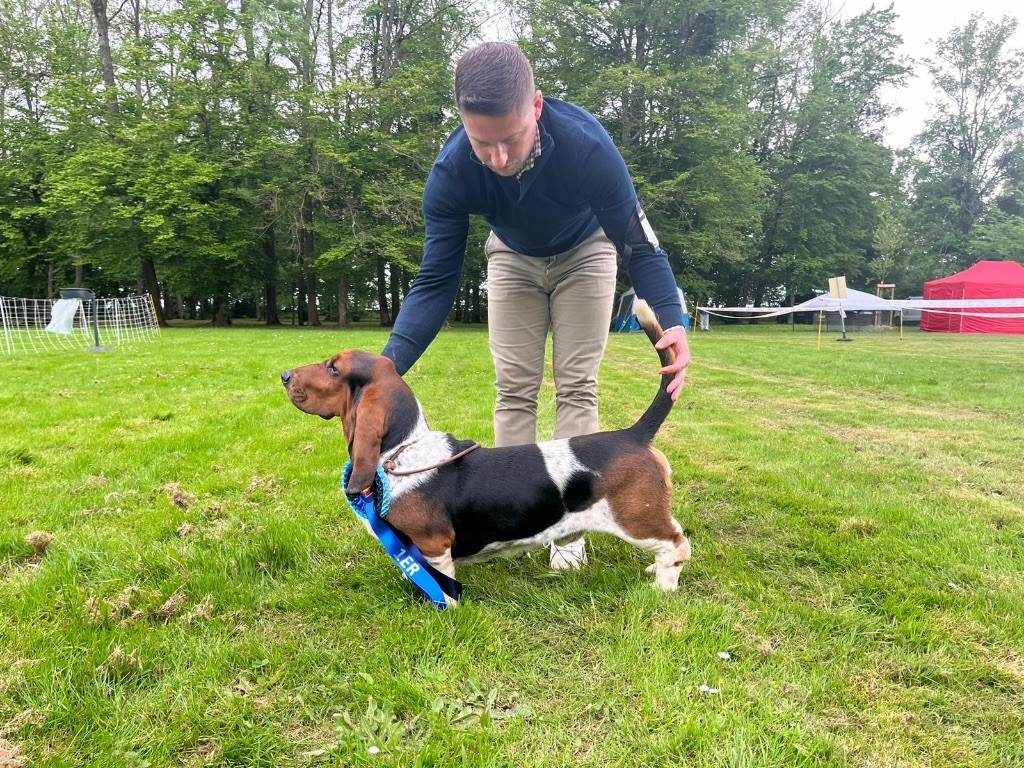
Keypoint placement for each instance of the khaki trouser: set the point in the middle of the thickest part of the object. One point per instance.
(572, 294)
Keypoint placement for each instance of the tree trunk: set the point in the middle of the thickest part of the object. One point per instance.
(342, 301)
(306, 257)
(396, 299)
(270, 286)
(332, 61)
(382, 294)
(99, 12)
(51, 271)
(273, 313)
(153, 288)
(476, 302)
(245, 22)
(458, 304)
(137, 29)
(221, 311)
(312, 312)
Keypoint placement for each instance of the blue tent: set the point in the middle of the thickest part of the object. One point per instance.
(625, 318)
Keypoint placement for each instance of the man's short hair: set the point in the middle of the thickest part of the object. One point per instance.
(493, 79)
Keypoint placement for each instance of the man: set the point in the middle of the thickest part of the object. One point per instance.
(555, 191)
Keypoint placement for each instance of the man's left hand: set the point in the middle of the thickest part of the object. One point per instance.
(676, 339)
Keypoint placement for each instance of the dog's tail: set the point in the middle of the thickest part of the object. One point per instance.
(648, 425)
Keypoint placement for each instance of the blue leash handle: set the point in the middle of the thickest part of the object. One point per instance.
(437, 587)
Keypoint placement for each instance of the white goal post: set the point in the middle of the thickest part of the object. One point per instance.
(37, 325)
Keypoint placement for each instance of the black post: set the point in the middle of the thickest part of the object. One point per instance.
(84, 294)
(842, 326)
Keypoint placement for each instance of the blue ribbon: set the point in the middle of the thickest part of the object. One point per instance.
(437, 587)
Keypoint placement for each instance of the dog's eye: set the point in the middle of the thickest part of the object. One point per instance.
(331, 369)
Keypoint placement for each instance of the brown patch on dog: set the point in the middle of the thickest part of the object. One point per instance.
(424, 521)
(663, 460)
(639, 491)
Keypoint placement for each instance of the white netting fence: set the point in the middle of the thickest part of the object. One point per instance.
(36, 325)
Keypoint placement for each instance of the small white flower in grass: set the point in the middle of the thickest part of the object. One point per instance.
(709, 689)
(373, 750)
(724, 655)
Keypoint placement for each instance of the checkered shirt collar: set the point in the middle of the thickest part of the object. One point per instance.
(532, 159)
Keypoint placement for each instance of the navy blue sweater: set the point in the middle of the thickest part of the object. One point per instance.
(579, 183)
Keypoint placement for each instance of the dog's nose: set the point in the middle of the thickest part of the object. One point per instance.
(286, 377)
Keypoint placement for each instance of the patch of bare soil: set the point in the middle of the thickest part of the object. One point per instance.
(10, 755)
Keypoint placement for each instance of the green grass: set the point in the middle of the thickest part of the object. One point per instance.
(856, 514)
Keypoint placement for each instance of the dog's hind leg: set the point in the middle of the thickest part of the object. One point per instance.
(668, 544)
(671, 552)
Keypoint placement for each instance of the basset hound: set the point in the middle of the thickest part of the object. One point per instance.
(497, 501)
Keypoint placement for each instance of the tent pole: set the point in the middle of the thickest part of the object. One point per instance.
(821, 316)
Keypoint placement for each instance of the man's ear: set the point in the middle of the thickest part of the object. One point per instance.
(364, 428)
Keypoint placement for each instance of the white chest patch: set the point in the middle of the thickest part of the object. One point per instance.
(424, 449)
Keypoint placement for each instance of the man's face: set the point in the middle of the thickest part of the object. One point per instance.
(504, 142)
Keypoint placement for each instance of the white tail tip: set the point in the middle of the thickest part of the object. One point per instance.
(644, 313)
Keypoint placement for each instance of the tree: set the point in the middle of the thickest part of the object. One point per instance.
(822, 147)
(968, 147)
(23, 117)
(395, 93)
(666, 81)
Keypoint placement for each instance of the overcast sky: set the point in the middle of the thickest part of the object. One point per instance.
(919, 22)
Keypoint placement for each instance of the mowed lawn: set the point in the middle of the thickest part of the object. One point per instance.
(181, 583)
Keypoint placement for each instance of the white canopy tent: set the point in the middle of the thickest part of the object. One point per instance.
(858, 301)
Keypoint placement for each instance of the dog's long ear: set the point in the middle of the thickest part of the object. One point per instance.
(382, 412)
(365, 437)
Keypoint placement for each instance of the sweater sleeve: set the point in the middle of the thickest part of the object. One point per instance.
(437, 283)
(614, 202)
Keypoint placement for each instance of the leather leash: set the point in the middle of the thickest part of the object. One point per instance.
(389, 465)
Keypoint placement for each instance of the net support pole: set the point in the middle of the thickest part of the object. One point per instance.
(3, 322)
(83, 294)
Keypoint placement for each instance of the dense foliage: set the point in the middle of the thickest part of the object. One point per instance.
(257, 156)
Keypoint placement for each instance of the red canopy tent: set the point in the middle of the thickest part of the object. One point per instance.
(985, 280)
